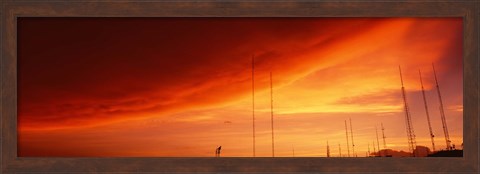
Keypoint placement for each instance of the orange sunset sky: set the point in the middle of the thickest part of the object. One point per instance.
(138, 87)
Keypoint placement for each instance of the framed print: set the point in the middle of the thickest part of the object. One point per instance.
(200, 86)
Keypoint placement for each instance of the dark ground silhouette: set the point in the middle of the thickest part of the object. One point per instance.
(449, 153)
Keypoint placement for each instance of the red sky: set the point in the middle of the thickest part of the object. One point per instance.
(182, 86)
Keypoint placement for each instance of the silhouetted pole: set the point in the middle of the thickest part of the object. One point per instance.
(408, 120)
(442, 113)
(374, 150)
(426, 111)
(339, 149)
(351, 135)
(271, 113)
(346, 132)
(328, 150)
(384, 143)
(253, 101)
(383, 136)
(368, 149)
(378, 142)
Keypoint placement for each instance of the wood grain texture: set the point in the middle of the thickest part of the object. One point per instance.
(11, 10)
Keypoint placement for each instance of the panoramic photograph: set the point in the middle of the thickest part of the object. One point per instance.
(240, 87)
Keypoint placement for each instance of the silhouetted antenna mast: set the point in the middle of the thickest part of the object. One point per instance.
(328, 150)
(346, 132)
(378, 142)
(271, 113)
(408, 120)
(253, 101)
(351, 135)
(374, 150)
(384, 143)
(442, 112)
(383, 136)
(368, 149)
(426, 111)
(339, 150)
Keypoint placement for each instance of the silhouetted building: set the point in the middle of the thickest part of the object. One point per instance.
(447, 153)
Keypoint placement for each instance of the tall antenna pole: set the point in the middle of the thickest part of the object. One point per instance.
(374, 150)
(271, 113)
(378, 142)
(383, 136)
(408, 120)
(253, 101)
(368, 149)
(426, 111)
(346, 132)
(384, 143)
(339, 149)
(442, 112)
(351, 134)
(328, 150)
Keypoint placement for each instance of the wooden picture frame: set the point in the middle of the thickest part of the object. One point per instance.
(11, 10)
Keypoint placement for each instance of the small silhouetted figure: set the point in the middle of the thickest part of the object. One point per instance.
(217, 151)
